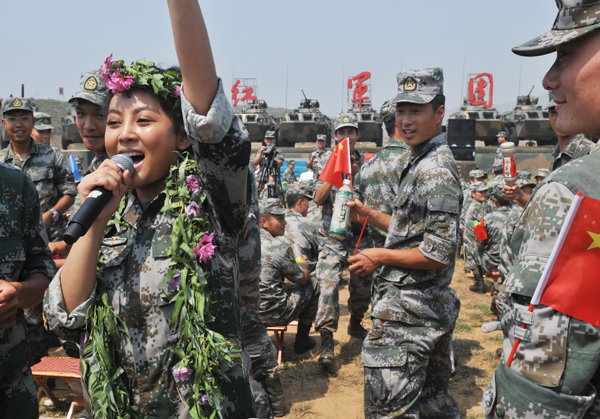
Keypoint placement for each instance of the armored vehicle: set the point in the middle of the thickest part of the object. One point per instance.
(487, 124)
(303, 124)
(257, 120)
(369, 122)
(528, 121)
(70, 133)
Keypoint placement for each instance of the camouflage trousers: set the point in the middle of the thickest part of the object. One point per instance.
(333, 259)
(472, 253)
(301, 303)
(18, 398)
(407, 371)
(258, 345)
(40, 340)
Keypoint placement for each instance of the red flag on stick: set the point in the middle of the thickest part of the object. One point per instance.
(367, 156)
(480, 231)
(338, 163)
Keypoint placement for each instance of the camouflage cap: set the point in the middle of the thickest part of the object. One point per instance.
(502, 134)
(388, 111)
(345, 120)
(298, 189)
(17, 104)
(91, 88)
(419, 86)
(478, 187)
(476, 174)
(291, 162)
(43, 121)
(575, 18)
(271, 206)
(542, 172)
(321, 137)
(497, 166)
(524, 174)
(270, 134)
(525, 182)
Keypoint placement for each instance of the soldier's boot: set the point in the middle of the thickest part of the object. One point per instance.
(326, 358)
(479, 285)
(355, 328)
(303, 342)
(275, 393)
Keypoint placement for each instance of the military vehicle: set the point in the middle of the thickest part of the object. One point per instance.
(304, 124)
(369, 122)
(70, 133)
(488, 122)
(257, 120)
(528, 121)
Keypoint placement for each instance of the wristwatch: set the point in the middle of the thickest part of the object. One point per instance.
(54, 215)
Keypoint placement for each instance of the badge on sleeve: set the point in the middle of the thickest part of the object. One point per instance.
(114, 241)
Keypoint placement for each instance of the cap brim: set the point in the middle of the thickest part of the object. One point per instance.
(43, 127)
(95, 98)
(346, 124)
(547, 43)
(413, 98)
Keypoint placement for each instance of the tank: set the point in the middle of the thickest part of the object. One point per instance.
(528, 122)
(257, 120)
(370, 123)
(488, 122)
(304, 124)
(70, 133)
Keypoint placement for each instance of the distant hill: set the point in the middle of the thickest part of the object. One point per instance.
(55, 108)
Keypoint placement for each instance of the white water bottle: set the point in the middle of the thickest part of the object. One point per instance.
(490, 327)
(341, 212)
(509, 168)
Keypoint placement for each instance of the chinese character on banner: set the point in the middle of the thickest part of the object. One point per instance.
(247, 93)
(360, 89)
(481, 88)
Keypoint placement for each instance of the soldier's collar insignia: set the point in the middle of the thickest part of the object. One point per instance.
(17, 103)
(46, 120)
(114, 241)
(410, 84)
(91, 83)
(346, 119)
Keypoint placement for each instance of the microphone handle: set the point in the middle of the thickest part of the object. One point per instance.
(87, 214)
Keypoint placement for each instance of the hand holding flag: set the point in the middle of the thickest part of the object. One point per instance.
(338, 163)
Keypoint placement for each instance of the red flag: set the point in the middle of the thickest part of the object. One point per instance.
(573, 284)
(338, 163)
(479, 230)
(367, 155)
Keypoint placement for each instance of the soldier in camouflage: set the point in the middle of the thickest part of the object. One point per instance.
(334, 253)
(280, 305)
(42, 130)
(554, 373)
(299, 229)
(407, 352)
(288, 174)
(474, 176)
(540, 175)
(318, 159)
(498, 178)
(494, 223)
(26, 268)
(501, 137)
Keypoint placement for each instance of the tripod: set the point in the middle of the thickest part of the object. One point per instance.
(268, 169)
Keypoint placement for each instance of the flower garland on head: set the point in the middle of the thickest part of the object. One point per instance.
(144, 73)
(204, 355)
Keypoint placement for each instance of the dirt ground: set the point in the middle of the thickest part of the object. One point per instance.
(314, 393)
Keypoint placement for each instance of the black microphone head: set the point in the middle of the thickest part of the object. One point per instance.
(124, 162)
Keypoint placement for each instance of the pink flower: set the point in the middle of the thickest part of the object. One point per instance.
(118, 83)
(177, 90)
(106, 69)
(174, 283)
(193, 184)
(205, 249)
(192, 210)
(182, 374)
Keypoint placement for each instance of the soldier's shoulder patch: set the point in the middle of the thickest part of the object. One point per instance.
(114, 241)
(91, 83)
(17, 102)
(410, 84)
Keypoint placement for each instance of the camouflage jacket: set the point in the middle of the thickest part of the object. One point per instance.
(289, 176)
(494, 224)
(578, 146)
(377, 183)
(136, 263)
(426, 215)
(23, 252)
(320, 161)
(299, 230)
(499, 155)
(96, 162)
(50, 173)
(557, 351)
(476, 211)
(506, 254)
(278, 264)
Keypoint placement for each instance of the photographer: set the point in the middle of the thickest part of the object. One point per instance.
(270, 142)
(269, 177)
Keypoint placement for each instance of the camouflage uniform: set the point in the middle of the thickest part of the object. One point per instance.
(578, 146)
(506, 256)
(288, 176)
(95, 164)
(320, 161)
(139, 262)
(24, 252)
(477, 210)
(494, 223)
(301, 231)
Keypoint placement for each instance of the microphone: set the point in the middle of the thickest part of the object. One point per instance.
(509, 168)
(94, 204)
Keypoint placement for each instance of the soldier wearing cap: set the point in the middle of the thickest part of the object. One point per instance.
(333, 255)
(299, 229)
(554, 373)
(42, 130)
(474, 176)
(493, 223)
(280, 305)
(477, 210)
(269, 140)
(498, 178)
(288, 174)
(501, 137)
(407, 352)
(90, 120)
(318, 159)
(540, 175)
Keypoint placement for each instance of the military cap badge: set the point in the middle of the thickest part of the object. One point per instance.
(46, 121)
(410, 84)
(345, 119)
(17, 103)
(91, 83)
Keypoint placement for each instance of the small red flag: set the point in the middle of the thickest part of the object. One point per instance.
(338, 163)
(479, 230)
(573, 284)
(367, 155)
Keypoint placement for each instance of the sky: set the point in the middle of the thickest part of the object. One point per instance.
(287, 46)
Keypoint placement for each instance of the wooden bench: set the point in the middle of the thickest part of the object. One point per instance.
(65, 369)
(279, 333)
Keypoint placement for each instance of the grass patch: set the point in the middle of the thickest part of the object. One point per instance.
(301, 410)
(462, 326)
(59, 410)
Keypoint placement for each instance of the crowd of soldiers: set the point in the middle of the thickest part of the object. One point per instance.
(419, 217)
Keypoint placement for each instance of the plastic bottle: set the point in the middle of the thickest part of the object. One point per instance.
(341, 212)
(490, 327)
(509, 168)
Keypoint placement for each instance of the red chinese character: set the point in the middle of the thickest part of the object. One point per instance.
(480, 90)
(358, 95)
(248, 95)
(235, 91)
